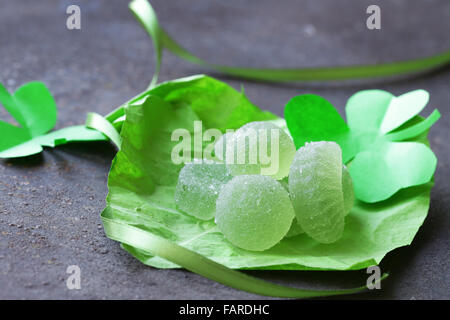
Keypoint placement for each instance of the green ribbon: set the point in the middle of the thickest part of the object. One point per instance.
(155, 245)
(145, 14)
(99, 123)
(416, 129)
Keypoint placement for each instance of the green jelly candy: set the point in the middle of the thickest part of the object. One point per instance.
(254, 212)
(260, 147)
(198, 187)
(315, 186)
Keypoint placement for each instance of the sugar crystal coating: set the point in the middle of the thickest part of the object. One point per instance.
(260, 147)
(254, 212)
(315, 187)
(198, 187)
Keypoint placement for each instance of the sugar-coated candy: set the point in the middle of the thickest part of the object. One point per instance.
(254, 212)
(316, 190)
(259, 147)
(198, 187)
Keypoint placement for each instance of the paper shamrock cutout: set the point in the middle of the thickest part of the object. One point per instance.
(34, 109)
(378, 122)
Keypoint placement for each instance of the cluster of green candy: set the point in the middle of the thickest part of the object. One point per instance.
(311, 192)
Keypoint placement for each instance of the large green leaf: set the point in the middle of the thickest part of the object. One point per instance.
(143, 179)
(141, 212)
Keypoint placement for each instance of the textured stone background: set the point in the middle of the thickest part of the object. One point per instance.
(50, 203)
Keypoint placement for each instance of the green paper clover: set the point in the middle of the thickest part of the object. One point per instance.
(34, 109)
(373, 141)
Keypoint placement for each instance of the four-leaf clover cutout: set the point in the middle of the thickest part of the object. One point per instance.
(382, 141)
(34, 109)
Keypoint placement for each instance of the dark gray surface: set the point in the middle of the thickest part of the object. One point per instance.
(50, 203)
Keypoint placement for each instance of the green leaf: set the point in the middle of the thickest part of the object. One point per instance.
(388, 167)
(141, 212)
(33, 107)
(312, 118)
(219, 105)
(365, 110)
(11, 135)
(403, 108)
(375, 118)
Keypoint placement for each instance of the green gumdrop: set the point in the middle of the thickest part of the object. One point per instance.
(249, 150)
(347, 188)
(198, 187)
(315, 186)
(254, 212)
